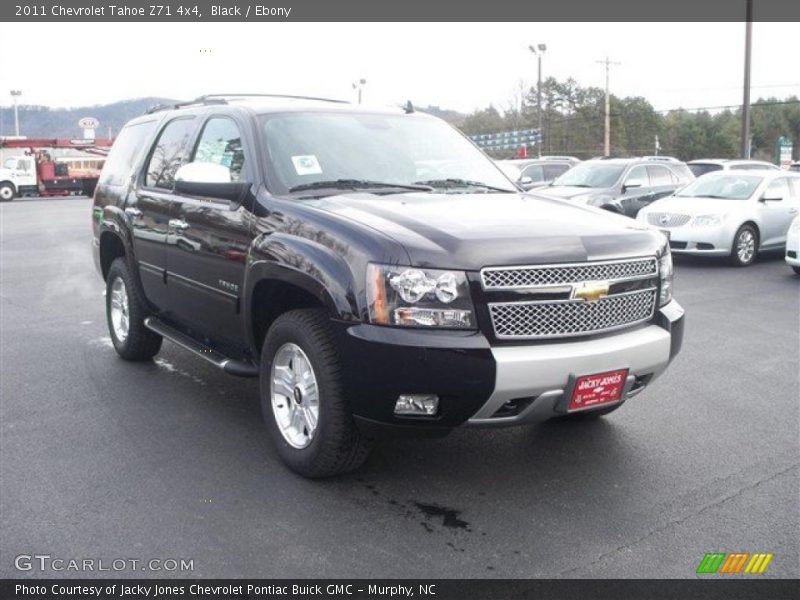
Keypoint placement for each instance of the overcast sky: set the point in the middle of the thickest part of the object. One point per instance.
(453, 65)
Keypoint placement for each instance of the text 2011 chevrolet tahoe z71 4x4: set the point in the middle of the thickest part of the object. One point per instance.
(375, 270)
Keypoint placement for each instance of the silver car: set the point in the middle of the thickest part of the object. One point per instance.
(729, 213)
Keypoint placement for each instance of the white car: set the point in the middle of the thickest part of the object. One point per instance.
(728, 213)
(793, 245)
(701, 166)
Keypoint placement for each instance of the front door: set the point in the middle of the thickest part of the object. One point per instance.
(776, 214)
(150, 207)
(208, 245)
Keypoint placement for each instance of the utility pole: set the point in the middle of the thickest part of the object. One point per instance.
(607, 141)
(16, 94)
(539, 50)
(746, 100)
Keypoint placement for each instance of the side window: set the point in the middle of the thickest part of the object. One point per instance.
(534, 172)
(168, 154)
(221, 144)
(778, 189)
(126, 149)
(637, 177)
(659, 175)
(553, 171)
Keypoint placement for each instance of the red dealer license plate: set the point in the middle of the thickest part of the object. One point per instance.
(597, 389)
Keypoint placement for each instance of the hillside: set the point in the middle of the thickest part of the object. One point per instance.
(42, 121)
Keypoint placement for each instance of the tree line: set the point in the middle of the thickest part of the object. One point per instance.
(573, 124)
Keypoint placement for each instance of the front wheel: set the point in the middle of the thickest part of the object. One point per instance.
(307, 416)
(745, 246)
(7, 192)
(796, 270)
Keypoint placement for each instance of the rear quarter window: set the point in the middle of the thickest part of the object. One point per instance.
(125, 152)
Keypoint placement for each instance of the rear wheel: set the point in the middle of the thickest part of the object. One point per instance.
(7, 192)
(125, 312)
(745, 246)
(307, 417)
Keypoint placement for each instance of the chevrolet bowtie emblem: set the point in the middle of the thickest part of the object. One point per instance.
(592, 291)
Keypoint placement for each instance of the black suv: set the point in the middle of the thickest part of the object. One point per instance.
(376, 270)
(621, 185)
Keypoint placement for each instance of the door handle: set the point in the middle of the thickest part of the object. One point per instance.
(133, 213)
(178, 224)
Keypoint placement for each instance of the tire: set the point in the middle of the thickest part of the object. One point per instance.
(334, 444)
(741, 257)
(125, 314)
(7, 192)
(796, 270)
(589, 415)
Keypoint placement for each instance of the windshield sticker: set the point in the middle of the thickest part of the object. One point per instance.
(306, 165)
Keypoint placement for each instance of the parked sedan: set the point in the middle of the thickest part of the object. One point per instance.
(729, 213)
(532, 173)
(620, 185)
(702, 166)
(793, 245)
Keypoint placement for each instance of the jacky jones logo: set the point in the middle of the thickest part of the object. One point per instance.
(720, 562)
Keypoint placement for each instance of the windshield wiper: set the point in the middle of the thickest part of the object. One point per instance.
(356, 184)
(454, 182)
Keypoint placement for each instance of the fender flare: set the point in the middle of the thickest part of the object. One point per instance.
(303, 263)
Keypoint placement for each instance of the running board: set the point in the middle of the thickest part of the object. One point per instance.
(238, 368)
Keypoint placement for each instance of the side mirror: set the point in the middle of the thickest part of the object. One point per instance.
(526, 181)
(210, 180)
(770, 197)
(629, 185)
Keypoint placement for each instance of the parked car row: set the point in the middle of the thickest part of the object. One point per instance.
(533, 173)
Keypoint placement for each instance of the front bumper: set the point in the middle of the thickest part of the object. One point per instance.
(483, 385)
(701, 241)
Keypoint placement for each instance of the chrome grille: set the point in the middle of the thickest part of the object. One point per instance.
(509, 278)
(566, 318)
(661, 219)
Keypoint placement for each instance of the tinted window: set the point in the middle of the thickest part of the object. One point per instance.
(221, 144)
(703, 168)
(637, 176)
(535, 172)
(124, 153)
(778, 189)
(553, 171)
(659, 175)
(168, 154)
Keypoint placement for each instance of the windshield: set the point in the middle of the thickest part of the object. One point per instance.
(725, 187)
(368, 151)
(595, 175)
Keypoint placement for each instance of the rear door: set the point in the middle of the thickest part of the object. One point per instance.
(150, 206)
(209, 241)
(662, 183)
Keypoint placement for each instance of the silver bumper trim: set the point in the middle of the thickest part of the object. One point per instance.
(542, 371)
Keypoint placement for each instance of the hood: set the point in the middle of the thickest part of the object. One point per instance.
(695, 206)
(471, 231)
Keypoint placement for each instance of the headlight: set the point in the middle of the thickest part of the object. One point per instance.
(665, 274)
(412, 297)
(708, 220)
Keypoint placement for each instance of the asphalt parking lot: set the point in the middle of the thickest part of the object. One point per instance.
(106, 459)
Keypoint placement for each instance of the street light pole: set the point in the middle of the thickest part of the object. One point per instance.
(607, 136)
(359, 86)
(16, 94)
(746, 100)
(539, 50)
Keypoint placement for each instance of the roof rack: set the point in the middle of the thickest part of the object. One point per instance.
(223, 99)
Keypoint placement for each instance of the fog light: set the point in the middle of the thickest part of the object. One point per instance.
(417, 404)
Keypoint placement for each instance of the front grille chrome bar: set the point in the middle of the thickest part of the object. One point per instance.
(566, 274)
